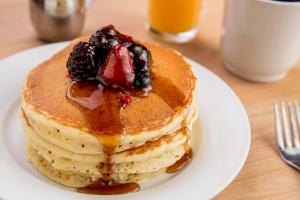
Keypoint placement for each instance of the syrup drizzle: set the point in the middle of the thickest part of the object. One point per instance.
(181, 163)
(109, 188)
(166, 90)
(102, 110)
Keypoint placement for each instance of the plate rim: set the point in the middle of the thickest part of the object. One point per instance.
(245, 115)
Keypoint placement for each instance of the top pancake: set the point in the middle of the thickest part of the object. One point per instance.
(173, 83)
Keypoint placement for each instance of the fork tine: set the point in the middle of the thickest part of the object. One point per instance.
(278, 125)
(297, 113)
(285, 126)
(294, 127)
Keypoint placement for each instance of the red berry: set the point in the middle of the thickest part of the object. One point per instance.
(125, 99)
(117, 69)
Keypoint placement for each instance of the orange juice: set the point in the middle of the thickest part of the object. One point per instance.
(173, 16)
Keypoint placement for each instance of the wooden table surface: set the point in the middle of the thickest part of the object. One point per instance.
(264, 175)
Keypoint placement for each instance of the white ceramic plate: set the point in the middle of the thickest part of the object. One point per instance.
(220, 144)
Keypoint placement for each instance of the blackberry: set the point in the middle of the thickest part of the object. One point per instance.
(103, 43)
(109, 31)
(142, 80)
(142, 60)
(105, 39)
(81, 62)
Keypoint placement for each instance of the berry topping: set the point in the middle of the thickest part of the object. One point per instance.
(124, 38)
(142, 60)
(105, 39)
(113, 58)
(109, 30)
(125, 99)
(117, 69)
(103, 44)
(81, 62)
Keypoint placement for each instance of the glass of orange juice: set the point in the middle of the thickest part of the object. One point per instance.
(174, 20)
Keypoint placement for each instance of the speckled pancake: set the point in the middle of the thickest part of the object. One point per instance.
(152, 156)
(156, 132)
(72, 179)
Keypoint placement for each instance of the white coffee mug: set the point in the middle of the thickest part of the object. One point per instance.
(261, 38)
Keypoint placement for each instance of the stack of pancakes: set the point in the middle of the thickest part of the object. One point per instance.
(61, 145)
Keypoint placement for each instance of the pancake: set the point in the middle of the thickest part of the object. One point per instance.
(63, 144)
(44, 99)
(81, 180)
(136, 160)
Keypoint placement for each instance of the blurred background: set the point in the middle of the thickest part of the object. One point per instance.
(130, 17)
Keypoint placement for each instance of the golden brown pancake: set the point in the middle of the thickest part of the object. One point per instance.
(173, 84)
(63, 145)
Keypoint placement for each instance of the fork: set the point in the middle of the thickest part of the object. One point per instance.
(287, 126)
